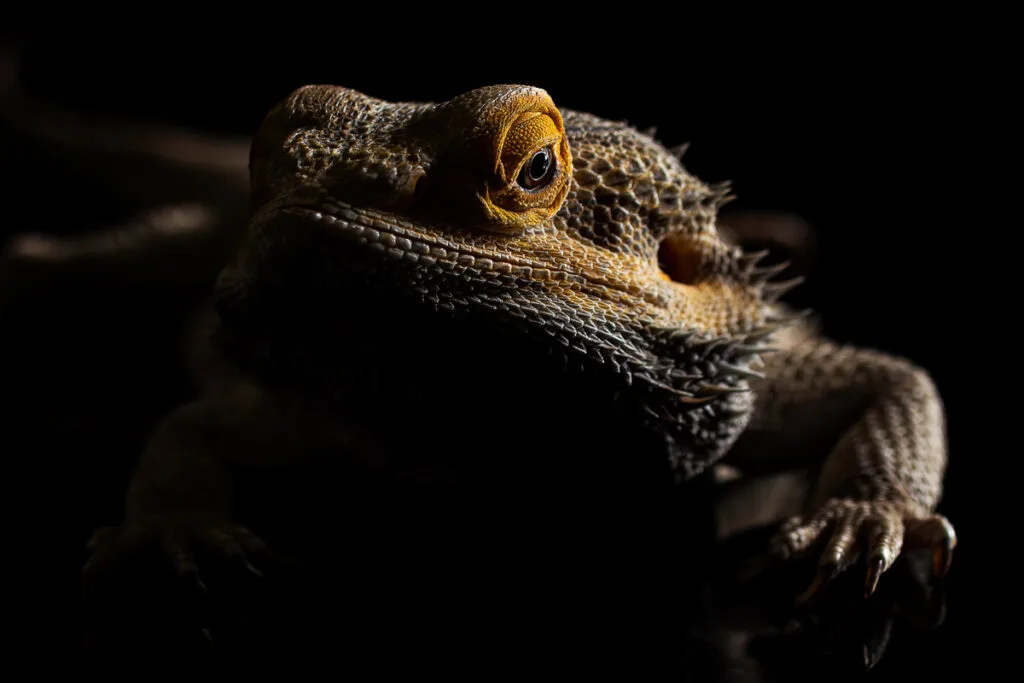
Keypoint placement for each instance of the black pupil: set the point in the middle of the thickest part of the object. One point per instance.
(539, 165)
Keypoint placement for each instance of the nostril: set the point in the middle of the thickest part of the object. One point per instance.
(679, 261)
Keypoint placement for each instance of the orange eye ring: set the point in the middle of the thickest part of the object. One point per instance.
(533, 168)
(505, 163)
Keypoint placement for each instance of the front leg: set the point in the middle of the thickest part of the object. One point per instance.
(879, 423)
(181, 497)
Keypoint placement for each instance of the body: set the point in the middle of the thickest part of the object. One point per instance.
(496, 295)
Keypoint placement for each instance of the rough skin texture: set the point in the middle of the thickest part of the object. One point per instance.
(547, 276)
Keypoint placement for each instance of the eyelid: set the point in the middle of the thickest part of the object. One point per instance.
(516, 165)
(530, 133)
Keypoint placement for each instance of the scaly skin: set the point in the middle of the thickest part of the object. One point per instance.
(423, 261)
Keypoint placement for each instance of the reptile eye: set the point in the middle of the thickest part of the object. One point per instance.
(538, 171)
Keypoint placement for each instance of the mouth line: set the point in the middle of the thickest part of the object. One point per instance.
(370, 229)
(386, 235)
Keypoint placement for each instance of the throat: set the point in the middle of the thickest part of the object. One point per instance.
(470, 398)
(447, 399)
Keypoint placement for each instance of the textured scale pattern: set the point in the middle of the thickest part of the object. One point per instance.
(611, 265)
(897, 446)
(587, 280)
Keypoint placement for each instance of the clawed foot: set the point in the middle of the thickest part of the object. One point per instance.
(177, 539)
(846, 546)
(181, 543)
(878, 531)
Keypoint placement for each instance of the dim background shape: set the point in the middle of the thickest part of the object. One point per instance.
(850, 119)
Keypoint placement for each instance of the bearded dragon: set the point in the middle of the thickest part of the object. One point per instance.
(495, 292)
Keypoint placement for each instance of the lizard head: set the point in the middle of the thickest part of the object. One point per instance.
(581, 232)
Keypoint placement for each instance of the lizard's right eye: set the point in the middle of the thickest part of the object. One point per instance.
(534, 166)
(516, 158)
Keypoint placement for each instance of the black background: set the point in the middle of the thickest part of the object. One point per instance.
(859, 121)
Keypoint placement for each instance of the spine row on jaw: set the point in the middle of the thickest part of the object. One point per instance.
(701, 369)
(709, 368)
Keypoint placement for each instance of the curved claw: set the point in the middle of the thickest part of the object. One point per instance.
(175, 545)
(942, 559)
(251, 568)
(826, 572)
(875, 648)
(876, 565)
(198, 583)
(236, 544)
(208, 638)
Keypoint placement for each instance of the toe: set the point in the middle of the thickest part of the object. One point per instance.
(108, 547)
(102, 536)
(797, 535)
(884, 542)
(937, 534)
(252, 545)
(176, 546)
(231, 544)
(840, 551)
(220, 543)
